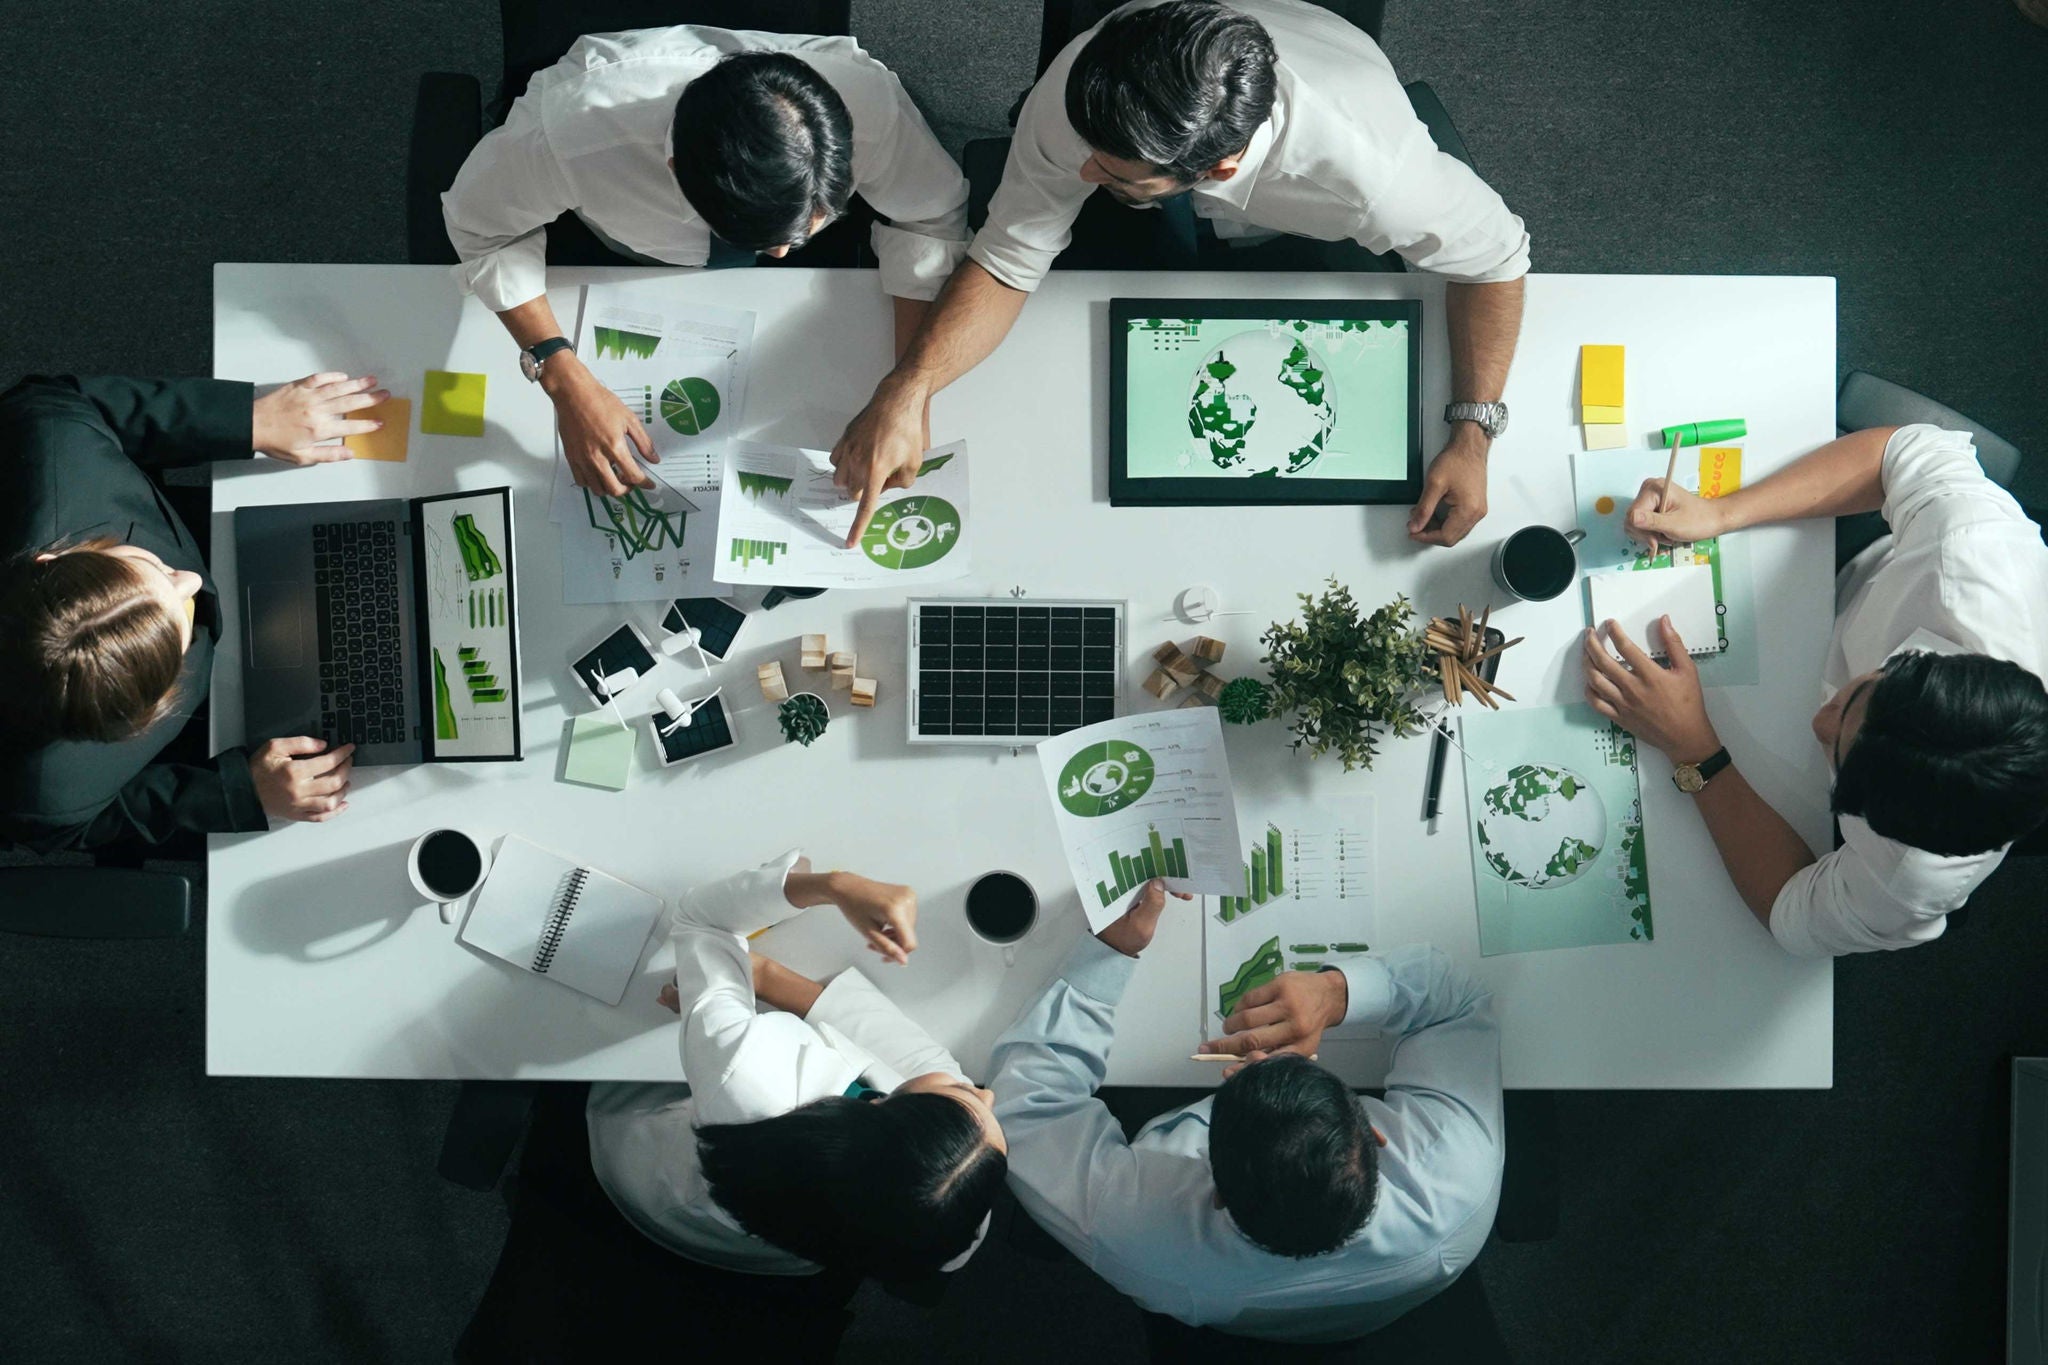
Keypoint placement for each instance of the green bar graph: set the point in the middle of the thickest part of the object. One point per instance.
(1274, 884)
(1257, 874)
(1150, 868)
(498, 695)
(1156, 851)
(1108, 896)
(747, 551)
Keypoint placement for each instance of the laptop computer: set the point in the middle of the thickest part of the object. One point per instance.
(388, 623)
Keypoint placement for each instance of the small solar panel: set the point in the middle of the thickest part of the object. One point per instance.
(718, 621)
(1012, 672)
(709, 730)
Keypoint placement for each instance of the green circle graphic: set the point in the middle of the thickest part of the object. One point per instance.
(1105, 777)
(911, 533)
(690, 405)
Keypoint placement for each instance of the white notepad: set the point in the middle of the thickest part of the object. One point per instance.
(571, 924)
(1635, 598)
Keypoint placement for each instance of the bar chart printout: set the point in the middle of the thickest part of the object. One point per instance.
(1304, 895)
(1124, 872)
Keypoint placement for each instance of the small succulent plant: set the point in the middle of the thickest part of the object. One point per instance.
(1245, 701)
(803, 718)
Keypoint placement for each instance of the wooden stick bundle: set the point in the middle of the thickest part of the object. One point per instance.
(1459, 646)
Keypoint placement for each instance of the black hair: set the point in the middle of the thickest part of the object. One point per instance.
(894, 1187)
(1952, 755)
(1179, 86)
(763, 145)
(1292, 1156)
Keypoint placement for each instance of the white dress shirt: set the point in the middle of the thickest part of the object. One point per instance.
(591, 134)
(742, 1067)
(1342, 157)
(1962, 572)
(1142, 1214)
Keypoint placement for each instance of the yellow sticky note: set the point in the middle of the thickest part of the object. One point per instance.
(452, 403)
(1605, 436)
(1610, 416)
(1600, 377)
(389, 441)
(1720, 470)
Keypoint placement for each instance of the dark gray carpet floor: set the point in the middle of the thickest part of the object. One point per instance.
(148, 1213)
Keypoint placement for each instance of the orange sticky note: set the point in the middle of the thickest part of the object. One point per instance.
(387, 443)
(1720, 470)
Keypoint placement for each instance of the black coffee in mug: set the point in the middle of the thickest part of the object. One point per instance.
(1001, 907)
(450, 863)
(1537, 563)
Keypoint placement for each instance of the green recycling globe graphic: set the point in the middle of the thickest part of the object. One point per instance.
(1260, 404)
(911, 532)
(1105, 777)
(689, 405)
(1542, 827)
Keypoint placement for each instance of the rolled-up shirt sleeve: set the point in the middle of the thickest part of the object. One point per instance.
(910, 181)
(1441, 217)
(1031, 217)
(1873, 894)
(498, 209)
(715, 983)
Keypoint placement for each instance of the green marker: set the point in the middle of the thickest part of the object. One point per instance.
(1702, 433)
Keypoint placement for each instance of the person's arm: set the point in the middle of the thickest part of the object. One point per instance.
(1850, 901)
(907, 178)
(1840, 479)
(1664, 706)
(160, 423)
(1446, 1063)
(158, 803)
(1483, 322)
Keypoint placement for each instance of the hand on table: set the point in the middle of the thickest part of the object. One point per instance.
(1453, 491)
(600, 438)
(301, 778)
(1131, 932)
(1685, 518)
(882, 448)
(882, 913)
(1287, 1014)
(1660, 704)
(292, 423)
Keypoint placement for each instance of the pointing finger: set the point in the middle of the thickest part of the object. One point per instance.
(870, 498)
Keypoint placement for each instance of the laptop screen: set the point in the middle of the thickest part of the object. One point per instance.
(469, 645)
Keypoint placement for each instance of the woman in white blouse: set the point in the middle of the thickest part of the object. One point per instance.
(828, 1131)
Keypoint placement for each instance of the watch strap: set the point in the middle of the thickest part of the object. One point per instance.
(541, 350)
(1714, 763)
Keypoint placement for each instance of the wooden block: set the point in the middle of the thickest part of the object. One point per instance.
(769, 675)
(813, 650)
(1207, 650)
(863, 691)
(1184, 672)
(1603, 436)
(1209, 686)
(842, 658)
(842, 679)
(1166, 653)
(1161, 684)
(1193, 699)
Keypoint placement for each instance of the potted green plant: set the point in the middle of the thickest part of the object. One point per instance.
(803, 718)
(1342, 679)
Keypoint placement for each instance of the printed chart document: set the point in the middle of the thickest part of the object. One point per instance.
(1306, 896)
(1142, 797)
(1556, 815)
(782, 522)
(684, 375)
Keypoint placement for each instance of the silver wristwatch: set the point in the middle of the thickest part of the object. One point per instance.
(1492, 418)
(533, 359)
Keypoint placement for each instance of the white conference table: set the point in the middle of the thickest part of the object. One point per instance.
(322, 962)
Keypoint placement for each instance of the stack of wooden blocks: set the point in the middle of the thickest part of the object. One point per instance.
(1601, 407)
(843, 666)
(1190, 669)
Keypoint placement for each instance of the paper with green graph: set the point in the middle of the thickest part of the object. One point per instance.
(469, 619)
(782, 522)
(1142, 797)
(1556, 819)
(683, 375)
(1304, 896)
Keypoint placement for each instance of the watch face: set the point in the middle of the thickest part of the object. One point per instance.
(528, 366)
(1687, 777)
(1496, 420)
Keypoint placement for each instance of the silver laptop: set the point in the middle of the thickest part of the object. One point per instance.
(388, 623)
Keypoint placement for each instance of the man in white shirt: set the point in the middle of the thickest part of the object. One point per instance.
(679, 145)
(1273, 116)
(1285, 1207)
(818, 1042)
(1936, 721)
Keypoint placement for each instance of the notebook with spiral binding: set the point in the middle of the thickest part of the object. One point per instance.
(557, 919)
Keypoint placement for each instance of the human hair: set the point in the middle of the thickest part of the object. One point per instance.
(763, 145)
(1952, 755)
(1179, 86)
(85, 652)
(1293, 1159)
(894, 1187)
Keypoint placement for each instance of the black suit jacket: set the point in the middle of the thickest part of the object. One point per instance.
(73, 456)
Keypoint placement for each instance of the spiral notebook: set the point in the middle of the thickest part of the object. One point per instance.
(568, 923)
(1636, 599)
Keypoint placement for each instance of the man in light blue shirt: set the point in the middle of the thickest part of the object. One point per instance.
(1284, 1207)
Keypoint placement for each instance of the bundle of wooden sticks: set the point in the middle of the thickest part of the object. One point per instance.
(1460, 647)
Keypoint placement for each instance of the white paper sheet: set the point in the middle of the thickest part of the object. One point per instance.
(782, 522)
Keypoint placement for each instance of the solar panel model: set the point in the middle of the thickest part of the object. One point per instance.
(1009, 672)
(717, 621)
(709, 730)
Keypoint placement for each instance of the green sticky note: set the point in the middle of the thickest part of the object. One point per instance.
(452, 403)
(600, 753)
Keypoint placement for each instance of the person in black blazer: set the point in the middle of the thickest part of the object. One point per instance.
(108, 617)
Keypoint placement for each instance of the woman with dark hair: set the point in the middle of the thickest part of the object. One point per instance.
(829, 1131)
(108, 617)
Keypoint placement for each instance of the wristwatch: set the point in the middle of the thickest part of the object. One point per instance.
(1691, 778)
(1491, 417)
(534, 357)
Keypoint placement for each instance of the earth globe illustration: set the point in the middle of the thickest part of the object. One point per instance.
(1260, 404)
(1541, 826)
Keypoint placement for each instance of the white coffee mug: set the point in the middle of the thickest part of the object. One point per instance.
(455, 863)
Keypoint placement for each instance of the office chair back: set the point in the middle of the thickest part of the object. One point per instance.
(94, 902)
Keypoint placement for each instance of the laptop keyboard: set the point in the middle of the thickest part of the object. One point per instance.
(362, 667)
